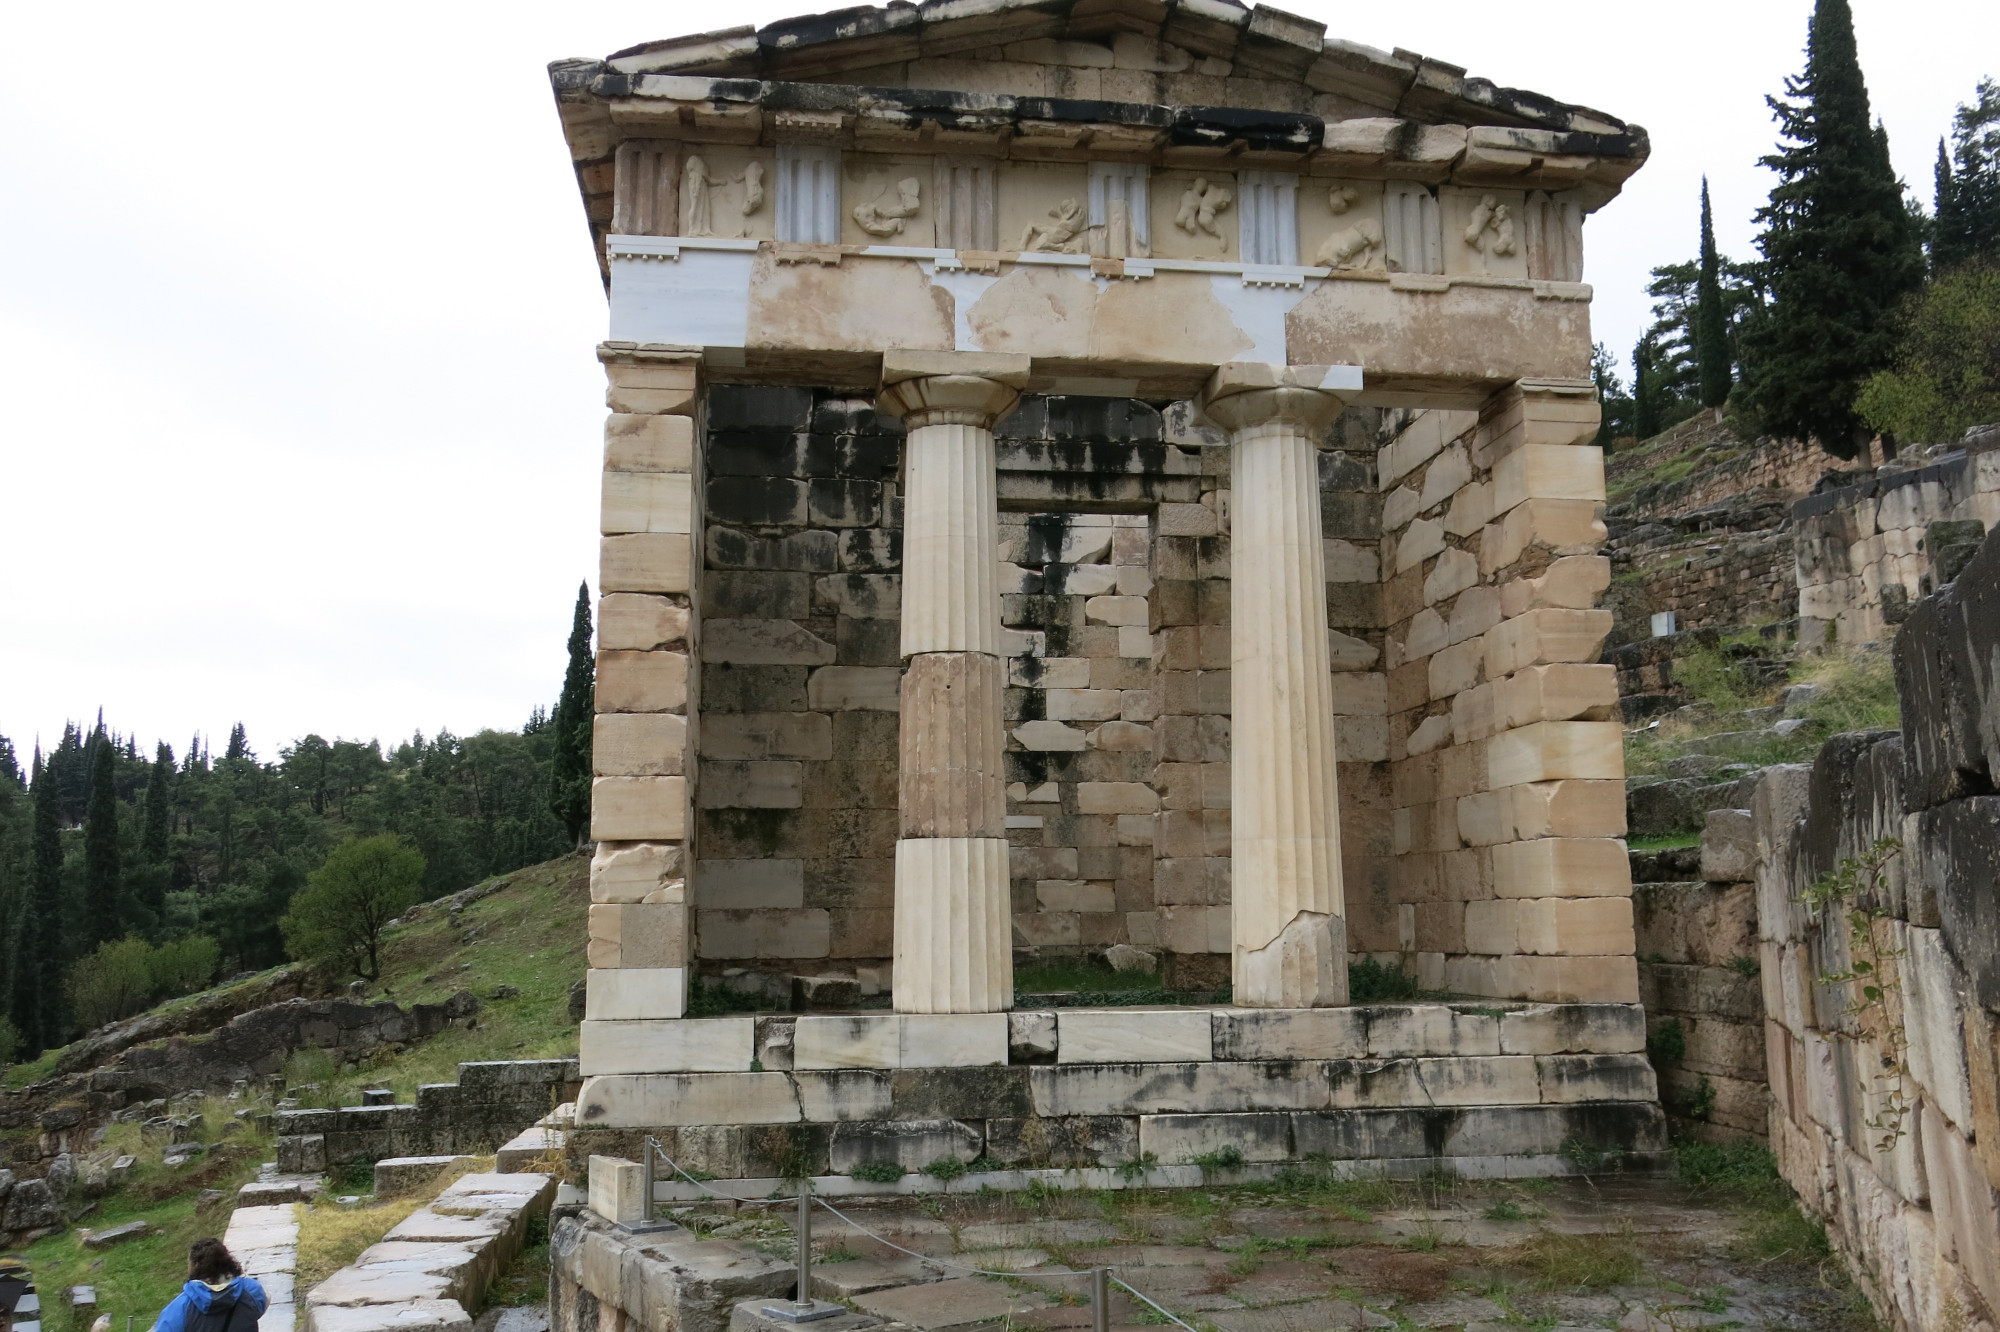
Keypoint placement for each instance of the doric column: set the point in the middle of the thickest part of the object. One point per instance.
(1288, 932)
(954, 925)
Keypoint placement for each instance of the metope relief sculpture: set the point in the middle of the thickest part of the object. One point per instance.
(1061, 234)
(884, 215)
(1490, 230)
(1200, 203)
(699, 198)
(1355, 242)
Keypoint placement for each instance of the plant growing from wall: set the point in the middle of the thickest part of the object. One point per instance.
(1855, 890)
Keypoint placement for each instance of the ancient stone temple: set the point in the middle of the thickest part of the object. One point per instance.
(1086, 473)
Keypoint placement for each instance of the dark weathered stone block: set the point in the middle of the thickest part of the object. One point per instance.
(961, 1093)
(758, 501)
(844, 503)
(758, 595)
(727, 688)
(1957, 862)
(748, 407)
(1064, 1142)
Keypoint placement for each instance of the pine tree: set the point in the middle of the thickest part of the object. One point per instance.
(239, 744)
(1840, 248)
(1967, 223)
(46, 902)
(1711, 332)
(100, 848)
(569, 765)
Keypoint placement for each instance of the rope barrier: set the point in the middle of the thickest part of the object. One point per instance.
(653, 1147)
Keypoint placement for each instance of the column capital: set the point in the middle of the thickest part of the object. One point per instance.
(927, 400)
(1241, 394)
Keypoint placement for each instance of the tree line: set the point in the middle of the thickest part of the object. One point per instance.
(126, 875)
(1863, 315)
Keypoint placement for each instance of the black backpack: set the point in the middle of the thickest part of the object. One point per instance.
(225, 1313)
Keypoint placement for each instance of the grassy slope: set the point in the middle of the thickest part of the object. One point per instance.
(530, 935)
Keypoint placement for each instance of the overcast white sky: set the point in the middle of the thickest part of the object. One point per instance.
(299, 412)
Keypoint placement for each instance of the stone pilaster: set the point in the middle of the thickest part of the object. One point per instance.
(1287, 916)
(954, 930)
(648, 626)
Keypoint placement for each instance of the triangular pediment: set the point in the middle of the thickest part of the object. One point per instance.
(1161, 52)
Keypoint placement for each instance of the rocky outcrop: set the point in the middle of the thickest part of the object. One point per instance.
(248, 1047)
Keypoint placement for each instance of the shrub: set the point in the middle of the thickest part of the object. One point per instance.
(10, 1040)
(115, 981)
(183, 966)
(1946, 374)
(338, 918)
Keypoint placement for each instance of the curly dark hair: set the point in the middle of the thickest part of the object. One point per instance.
(209, 1260)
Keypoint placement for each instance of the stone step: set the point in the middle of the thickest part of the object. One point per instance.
(528, 1147)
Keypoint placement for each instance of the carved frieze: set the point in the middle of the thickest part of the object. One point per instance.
(814, 193)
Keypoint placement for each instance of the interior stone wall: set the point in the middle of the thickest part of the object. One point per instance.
(1114, 571)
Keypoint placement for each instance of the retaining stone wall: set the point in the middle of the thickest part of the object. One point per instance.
(1864, 552)
(1901, 1159)
(490, 1103)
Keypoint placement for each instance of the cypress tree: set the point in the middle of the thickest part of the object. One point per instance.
(46, 903)
(1711, 329)
(1840, 247)
(159, 814)
(569, 764)
(1645, 392)
(100, 848)
(24, 1002)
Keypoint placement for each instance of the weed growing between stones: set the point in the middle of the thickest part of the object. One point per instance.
(1580, 1262)
(1855, 890)
(1372, 982)
(877, 1172)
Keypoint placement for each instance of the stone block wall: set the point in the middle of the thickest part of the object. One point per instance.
(1698, 969)
(1719, 582)
(490, 1103)
(1788, 469)
(1114, 575)
(1507, 770)
(1886, 1112)
(1864, 552)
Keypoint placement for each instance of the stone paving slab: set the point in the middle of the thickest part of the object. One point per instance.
(965, 1302)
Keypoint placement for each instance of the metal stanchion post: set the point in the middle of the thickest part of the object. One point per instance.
(1100, 1299)
(803, 1308)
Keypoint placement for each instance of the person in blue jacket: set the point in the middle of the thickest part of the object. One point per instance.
(217, 1296)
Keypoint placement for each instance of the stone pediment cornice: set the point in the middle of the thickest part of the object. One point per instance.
(1255, 41)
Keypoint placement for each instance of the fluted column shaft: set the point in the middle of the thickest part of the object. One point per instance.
(954, 927)
(1289, 940)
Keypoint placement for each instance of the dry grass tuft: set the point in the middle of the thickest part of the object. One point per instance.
(1579, 1262)
(332, 1236)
